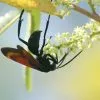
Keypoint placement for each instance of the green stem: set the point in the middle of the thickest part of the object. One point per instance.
(34, 23)
(28, 78)
(95, 33)
(92, 6)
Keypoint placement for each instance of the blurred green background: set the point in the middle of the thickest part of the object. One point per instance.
(79, 82)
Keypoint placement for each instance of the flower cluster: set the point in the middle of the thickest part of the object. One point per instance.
(79, 39)
(65, 6)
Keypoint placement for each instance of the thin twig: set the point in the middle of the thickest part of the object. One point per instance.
(85, 12)
(92, 6)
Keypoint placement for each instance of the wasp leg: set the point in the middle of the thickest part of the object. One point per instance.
(47, 24)
(62, 59)
(69, 60)
(19, 28)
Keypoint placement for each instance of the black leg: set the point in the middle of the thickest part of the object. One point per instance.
(62, 60)
(19, 28)
(44, 38)
(63, 57)
(69, 60)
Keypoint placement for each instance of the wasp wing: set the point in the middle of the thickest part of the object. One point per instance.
(34, 42)
(21, 56)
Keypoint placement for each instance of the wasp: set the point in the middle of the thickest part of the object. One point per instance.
(43, 62)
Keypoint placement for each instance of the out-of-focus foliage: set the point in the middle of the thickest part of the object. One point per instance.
(8, 19)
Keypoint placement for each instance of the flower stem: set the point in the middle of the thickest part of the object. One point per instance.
(33, 24)
(91, 6)
(85, 12)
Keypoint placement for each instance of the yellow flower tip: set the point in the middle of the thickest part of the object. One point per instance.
(28, 5)
(32, 4)
(23, 4)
